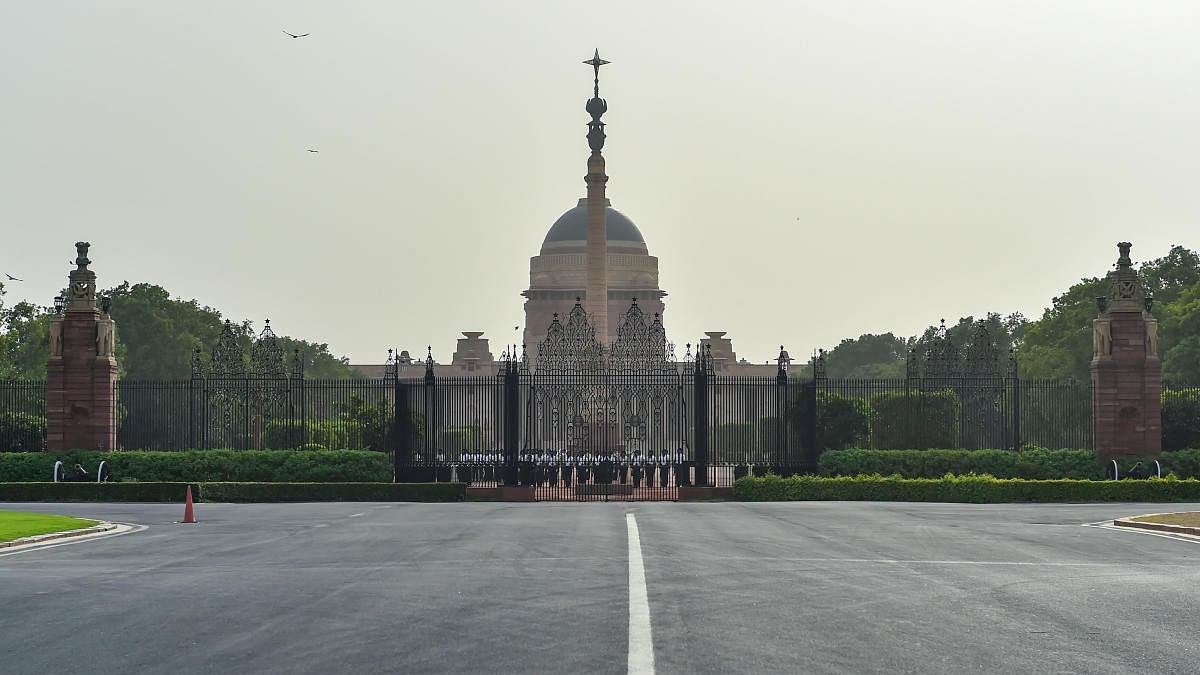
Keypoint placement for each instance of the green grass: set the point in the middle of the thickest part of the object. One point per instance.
(14, 524)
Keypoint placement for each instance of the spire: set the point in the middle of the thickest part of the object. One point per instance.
(597, 206)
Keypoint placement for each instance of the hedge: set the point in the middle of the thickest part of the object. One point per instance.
(233, 492)
(333, 492)
(1031, 463)
(270, 466)
(971, 489)
(94, 492)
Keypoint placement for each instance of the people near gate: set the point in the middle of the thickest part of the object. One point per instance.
(587, 467)
(566, 468)
(637, 467)
(552, 468)
(682, 474)
(525, 468)
(621, 466)
(465, 468)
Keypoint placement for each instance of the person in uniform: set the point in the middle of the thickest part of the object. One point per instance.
(567, 467)
(552, 468)
(583, 472)
(664, 468)
(464, 468)
(622, 466)
(637, 466)
(682, 475)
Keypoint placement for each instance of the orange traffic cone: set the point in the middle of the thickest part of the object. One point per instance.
(189, 515)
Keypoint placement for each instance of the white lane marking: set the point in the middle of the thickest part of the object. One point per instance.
(900, 561)
(356, 515)
(1108, 525)
(122, 529)
(641, 642)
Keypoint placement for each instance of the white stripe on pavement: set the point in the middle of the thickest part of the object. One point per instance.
(641, 642)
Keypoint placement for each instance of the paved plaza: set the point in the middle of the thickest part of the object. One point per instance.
(546, 588)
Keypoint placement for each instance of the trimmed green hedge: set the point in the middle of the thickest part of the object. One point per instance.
(268, 466)
(962, 489)
(94, 492)
(333, 492)
(233, 492)
(1031, 463)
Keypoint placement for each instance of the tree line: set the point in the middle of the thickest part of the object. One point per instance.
(1058, 345)
(155, 337)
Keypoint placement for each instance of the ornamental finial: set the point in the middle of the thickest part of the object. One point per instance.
(596, 106)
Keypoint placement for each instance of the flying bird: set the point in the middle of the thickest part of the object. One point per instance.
(12, 278)
(293, 35)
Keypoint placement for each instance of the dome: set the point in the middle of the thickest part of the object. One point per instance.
(572, 226)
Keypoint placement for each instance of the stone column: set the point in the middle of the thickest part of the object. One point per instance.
(1126, 370)
(597, 247)
(81, 375)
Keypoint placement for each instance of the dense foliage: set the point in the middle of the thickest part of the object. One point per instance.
(1181, 419)
(1059, 344)
(322, 466)
(914, 420)
(973, 489)
(155, 337)
(20, 432)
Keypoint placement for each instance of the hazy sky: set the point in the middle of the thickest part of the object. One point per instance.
(805, 171)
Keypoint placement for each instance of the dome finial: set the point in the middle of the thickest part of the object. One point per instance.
(596, 106)
(595, 62)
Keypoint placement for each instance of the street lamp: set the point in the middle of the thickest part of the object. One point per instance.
(58, 303)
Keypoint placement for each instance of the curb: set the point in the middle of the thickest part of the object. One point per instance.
(1157, 527)
(41, 538)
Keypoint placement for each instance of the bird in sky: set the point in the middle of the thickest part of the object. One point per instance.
(311, 150)
(12, 278)
(293, 35)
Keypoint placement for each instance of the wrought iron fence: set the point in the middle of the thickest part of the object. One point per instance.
(22, 415)
(958, 412)
(249, 412)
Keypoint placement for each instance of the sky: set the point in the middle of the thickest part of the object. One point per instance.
(805, 171)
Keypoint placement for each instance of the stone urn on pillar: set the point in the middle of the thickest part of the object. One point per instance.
(81, 375)
(1126, 370)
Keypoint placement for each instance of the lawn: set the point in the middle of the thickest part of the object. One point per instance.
(14, 525)
(1188, 519)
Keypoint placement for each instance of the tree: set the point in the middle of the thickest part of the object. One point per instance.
(155, 337)
(1059, 344)
(867, 356)
(24, 340)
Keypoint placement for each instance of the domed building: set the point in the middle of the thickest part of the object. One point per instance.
(558, 274)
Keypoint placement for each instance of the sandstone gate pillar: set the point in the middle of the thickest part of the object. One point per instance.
(82, 372)
(1126, 370)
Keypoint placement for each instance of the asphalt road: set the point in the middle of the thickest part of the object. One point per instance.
(544, 588)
